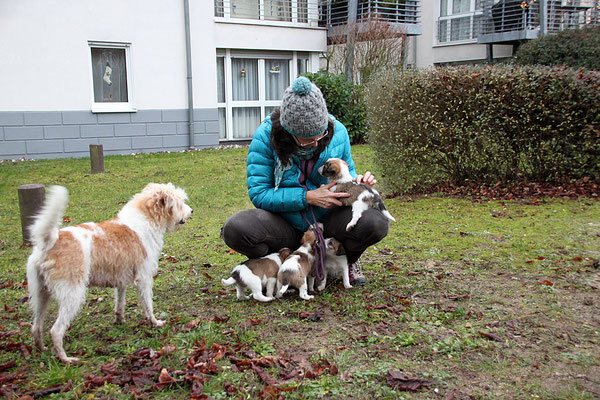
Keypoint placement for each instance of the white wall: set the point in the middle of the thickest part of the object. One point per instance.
(46, 57)
(246, 36)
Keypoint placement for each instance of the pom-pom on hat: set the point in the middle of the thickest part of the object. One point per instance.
(303, 111)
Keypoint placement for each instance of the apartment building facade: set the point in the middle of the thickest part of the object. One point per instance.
(157, 75)
(168, 75)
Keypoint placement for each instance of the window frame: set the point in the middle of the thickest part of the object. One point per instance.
(226, 108)
(474, 13)
(113, 107)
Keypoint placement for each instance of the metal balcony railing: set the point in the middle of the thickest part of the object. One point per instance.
(507, 20)
(335, 13)
(293, 11)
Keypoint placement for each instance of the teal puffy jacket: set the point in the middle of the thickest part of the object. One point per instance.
(289, 199)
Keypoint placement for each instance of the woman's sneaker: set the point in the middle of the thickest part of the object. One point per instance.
(356, 275)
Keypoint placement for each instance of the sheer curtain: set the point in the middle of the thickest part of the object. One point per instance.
(110, 75)
(244, 79)
(245, 121)
(221, 79)
(278, 10)
(277, 78)
(245, 9)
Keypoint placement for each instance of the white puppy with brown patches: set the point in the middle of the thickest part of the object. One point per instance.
(336, 264)
(362, 197)
(113, 253)
(295, 269)
(256, 274)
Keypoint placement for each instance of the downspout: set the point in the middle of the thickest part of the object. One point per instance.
(188, 56)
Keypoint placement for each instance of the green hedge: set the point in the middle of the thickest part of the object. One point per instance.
(485, 124)
(575, 48)
(344, 100)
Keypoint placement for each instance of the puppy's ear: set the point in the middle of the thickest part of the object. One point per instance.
(284, 253)
(339, 248)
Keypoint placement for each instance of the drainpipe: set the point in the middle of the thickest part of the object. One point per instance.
(350, 33)
(188, 56)
(543, 17)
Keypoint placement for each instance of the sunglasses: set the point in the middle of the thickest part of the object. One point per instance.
(311, 141)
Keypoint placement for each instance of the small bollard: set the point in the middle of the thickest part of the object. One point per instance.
(31, 199)
(97, 158)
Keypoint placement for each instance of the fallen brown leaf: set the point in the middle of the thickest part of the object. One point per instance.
(398, 381)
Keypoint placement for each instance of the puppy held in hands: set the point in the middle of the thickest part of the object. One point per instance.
(114, 253)
(295, 269)
(362, 196)
(336, 264)
(257, 274)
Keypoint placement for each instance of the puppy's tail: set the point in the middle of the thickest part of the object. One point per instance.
(228, 282)
(381, 207)
(44, 230)
(284, 288)
(388, 215)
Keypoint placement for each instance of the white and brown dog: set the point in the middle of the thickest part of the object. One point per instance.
(295, 269)
(256, 274)
(113, 253)
(362, 196)
(336, 264)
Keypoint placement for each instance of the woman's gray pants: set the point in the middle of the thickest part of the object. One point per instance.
(256, 233)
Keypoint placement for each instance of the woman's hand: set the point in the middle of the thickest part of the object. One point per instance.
(367, 179)
(323, 197)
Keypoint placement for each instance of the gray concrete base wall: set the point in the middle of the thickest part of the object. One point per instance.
(68, 134)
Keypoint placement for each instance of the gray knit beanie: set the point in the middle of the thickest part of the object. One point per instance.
(303, 109)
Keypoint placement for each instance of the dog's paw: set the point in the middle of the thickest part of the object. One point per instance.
(307, 297)
(349, 227)
(158, 323)
(320, 287)
(69, 360)
(347, 286)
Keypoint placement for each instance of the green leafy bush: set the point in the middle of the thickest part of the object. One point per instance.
(344, 100)
(485, 124)
(576, 48)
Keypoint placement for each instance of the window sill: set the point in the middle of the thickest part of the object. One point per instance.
(113, 108)
(455, 43)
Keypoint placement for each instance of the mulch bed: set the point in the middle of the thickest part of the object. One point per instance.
(531, 191)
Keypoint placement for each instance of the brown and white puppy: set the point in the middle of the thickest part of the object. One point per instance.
(362, 196)
(255, 274)
(336, 264)
(297, 266)
(113, 253)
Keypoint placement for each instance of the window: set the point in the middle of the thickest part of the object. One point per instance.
(302, 66)
(458, 20)
(250, 87)
(111, 80)
(270, 10)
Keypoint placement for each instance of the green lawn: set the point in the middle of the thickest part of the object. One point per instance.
(479, 300)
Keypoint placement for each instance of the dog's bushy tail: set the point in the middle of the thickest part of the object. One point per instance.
(44, 231)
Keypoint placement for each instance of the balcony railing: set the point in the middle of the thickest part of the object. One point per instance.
(292, 11)
(513, 20)
(338, 13)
